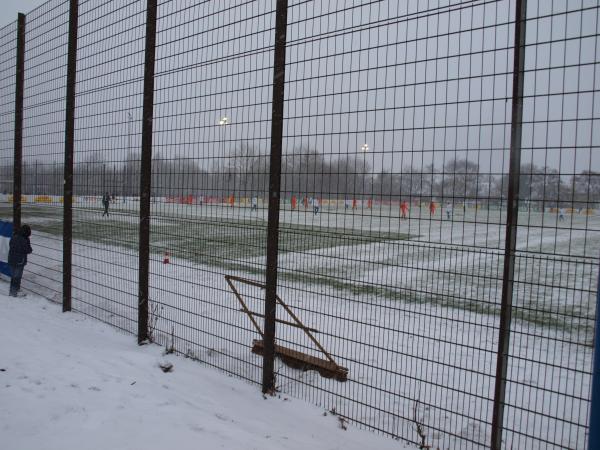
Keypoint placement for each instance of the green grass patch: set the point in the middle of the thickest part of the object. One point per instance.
(236, 245)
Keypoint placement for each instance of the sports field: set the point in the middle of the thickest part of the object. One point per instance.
(409, 306)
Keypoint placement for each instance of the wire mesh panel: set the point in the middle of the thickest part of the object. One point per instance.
(43, 143)
(109, 90)
(8, 52)
(397, 134)
(210, 176)
(556, 267)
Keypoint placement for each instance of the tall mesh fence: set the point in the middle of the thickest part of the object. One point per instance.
(110, 66)
(397, 124)
(210, 166)
(394, 200)
(556, 263)
(46, 36)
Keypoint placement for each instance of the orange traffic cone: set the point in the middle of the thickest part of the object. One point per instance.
(166, 258)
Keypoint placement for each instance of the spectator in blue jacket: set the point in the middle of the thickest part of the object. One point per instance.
(19, 248)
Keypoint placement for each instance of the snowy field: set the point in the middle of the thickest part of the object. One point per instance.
(68, 382)
(411, 308)
(456, 262)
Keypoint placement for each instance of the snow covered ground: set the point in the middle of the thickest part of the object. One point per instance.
(404, 359)
(71, 382)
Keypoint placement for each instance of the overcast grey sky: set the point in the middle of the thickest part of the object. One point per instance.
(418, 88)
(10, 9)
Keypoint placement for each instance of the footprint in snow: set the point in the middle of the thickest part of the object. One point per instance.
(223, 417)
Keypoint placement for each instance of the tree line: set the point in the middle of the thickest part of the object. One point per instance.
(245, 173)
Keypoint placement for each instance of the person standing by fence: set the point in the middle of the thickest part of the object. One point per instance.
(19, 247)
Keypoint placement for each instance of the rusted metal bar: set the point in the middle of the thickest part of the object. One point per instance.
(302, 361)
(244, 281)
(241, 300)
(311, 337)
(252, 314)
(284, 322)
(298, 323)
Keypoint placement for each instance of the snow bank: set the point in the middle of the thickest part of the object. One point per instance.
(71, 382)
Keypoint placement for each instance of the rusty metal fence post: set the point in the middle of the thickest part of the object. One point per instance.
(146, 172)
(69, 146)
(512, 218)
(268, 378)
(19, 88)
